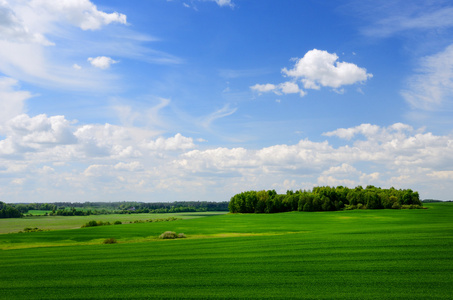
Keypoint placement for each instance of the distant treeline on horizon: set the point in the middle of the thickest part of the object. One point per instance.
(14, 210)
(324, 198)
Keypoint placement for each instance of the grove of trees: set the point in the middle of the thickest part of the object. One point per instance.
(324, 198)
(7, 211)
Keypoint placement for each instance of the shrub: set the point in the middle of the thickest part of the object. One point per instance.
(29, 229)
(181, 236)
(117, 223)
(91, 224)
(349, 207)
(110, 241)
(168, 235)
(396, 205)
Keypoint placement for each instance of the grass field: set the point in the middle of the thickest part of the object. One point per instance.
(74, 222)
(37, 212)
(361, 254)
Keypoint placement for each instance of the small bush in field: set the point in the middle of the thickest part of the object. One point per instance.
(172, 235)
(168, 235)
(117, 223)
(110, 241)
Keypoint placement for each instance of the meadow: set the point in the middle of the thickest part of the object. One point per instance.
(358, 254)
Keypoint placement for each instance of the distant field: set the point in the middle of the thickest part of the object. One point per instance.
(36, 212)
(361, 254)
(73, 222)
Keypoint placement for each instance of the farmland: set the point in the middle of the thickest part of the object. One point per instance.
(359, 254)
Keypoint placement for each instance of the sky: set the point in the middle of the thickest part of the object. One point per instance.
(197, 100)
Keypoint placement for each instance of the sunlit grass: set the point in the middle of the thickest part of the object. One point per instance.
(382, 254)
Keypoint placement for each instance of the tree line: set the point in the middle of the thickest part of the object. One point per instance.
(101, 208)
(324, 198)
(7, 211)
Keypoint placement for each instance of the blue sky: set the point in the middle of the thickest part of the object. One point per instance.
(201, 99)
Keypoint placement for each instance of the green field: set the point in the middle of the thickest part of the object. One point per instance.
(360, 254)
(37, 212)
(74, 222)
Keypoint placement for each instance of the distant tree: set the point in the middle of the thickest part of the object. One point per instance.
(7, 211)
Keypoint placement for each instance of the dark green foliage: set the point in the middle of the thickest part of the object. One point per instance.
(105, 208)
(117, 223)
(323, 198)
(95, 223)
(110, 241)
(7, 211)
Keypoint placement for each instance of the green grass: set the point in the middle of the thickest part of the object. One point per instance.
(366, 254)
(74, 222)
(37, 212)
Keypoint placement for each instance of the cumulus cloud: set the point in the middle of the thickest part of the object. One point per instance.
(263, 88)
(283, 88)
(102, 62)
(39, 132)
(178, 142)
(122, 161)
(317, 69)
(431, 88)
(321, 68)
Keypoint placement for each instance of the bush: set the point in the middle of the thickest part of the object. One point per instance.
(172, 235)
(396, 205)
(168, 235)
(110, 241)
(117, 223)
(91, 224)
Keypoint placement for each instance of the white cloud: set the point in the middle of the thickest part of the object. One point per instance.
(321, 68)
(102, 62)
(39, 45)
(224, 3)
(442, 175)
(263, 88)
(348, 133)
(13, 29)
(225, 111)
(80, 13)
(317, 69)
(432, 87)
(291, 88)
(178, 142)
(11, 100)
(131, 167)
(285, 88)
(401, 16)
(119, 161)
